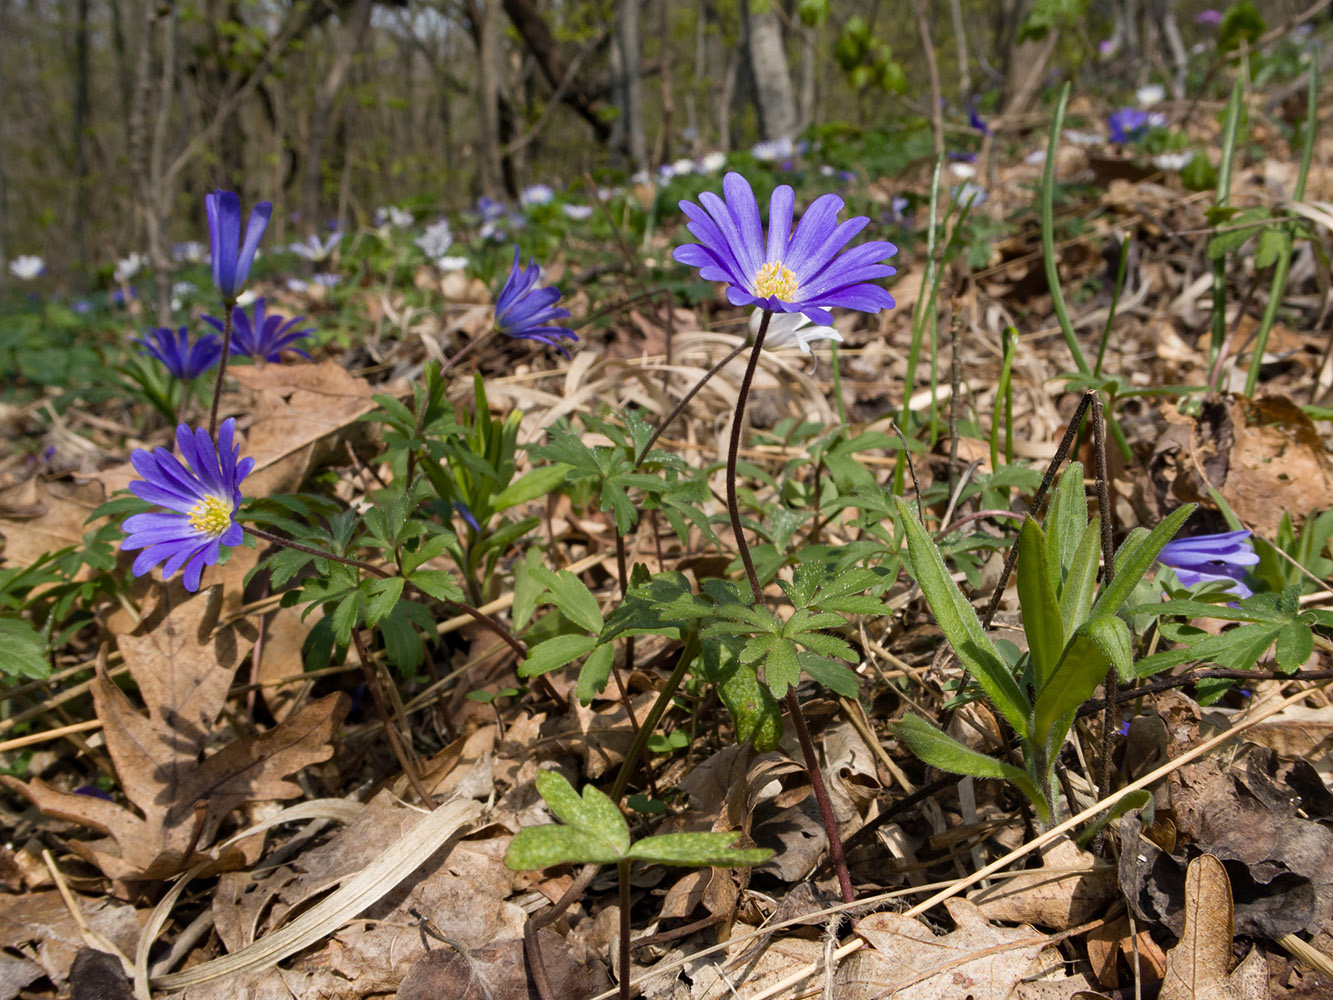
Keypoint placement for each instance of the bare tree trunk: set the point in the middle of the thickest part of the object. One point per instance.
(769, 74)
(960, 39)
(147, 151)
(809, 63)
(82, 104)
(628, 84)
(356, 22)
(728, 95)
(4, 216)
(487, 21)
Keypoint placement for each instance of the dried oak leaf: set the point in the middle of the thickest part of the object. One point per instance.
(1070, 888)
(1199, 967)
(1247, 817)
(976, 960)
(168, 761)
(302, 415)
(39, 936)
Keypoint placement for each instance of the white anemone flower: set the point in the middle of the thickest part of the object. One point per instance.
(1082, 138)
(316, 250)
(711, 163)
(436, 240)
(447, 263)
(1153, 93)
(791, 330)
(577, 212)
(535, 194)
(1172, 162)
(27, 267)
(128, 267)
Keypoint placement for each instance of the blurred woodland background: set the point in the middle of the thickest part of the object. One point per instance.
(116, 116)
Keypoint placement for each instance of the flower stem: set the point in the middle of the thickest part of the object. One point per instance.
(222, 371)
(460, 355)
(733, 449)
(793, 706)
(622, 871)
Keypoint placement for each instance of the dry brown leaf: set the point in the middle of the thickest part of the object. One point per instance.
(1199, 967)
(38, 935)
(1069, 889)
(167, 760)
(37, 517)
(298, 417)
(976, 960)
(1107, 940)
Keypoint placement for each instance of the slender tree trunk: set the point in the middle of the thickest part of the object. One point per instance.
(809, 63)
(960, 39)
(486, 20)
(356, 23)
(769, 74)
(82, 104)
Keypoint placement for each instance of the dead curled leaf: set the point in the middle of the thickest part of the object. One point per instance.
(168, 761)
(1199, 967)
(1069, 889)
(909, 961)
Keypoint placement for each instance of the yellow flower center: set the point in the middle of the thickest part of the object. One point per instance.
(775, 280)
(210, 516)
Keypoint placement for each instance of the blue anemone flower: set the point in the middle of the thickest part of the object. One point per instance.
(1132, 124)
(266, 336)
(1207, 558)
(185, 361)
(203, 497)
(232, 257)
(803, 271)
(522, 310)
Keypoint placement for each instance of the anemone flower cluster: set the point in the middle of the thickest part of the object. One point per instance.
(203, 500)
(1222, 558)
(523, 311)
(266, 335)
(805, 271)
(183, 360)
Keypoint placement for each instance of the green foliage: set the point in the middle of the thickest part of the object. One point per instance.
(592, 830)
(1045, 15)
(1268, 621)
(1242, 24)
(22, 650)
(867, 59)
(1073, 639)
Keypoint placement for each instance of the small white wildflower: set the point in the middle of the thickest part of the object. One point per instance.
(683, 166)
(1035, 157)
(189, 252)
(577, 212)
(535, 194)
(773, 149)
(791, 330)
(316, 250)
(296, 285)
(26, 267)
(1082, 138)
(711, 163)
(968, 191)
(451, 263)
(393, 217)
(1173, 162)
(436, 240)
(326, 278)
(128, 267)
(1153, 93)
(246, 298)
(963, 171)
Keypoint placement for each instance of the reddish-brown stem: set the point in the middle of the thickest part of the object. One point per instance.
(222, 371)
(793, 706)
